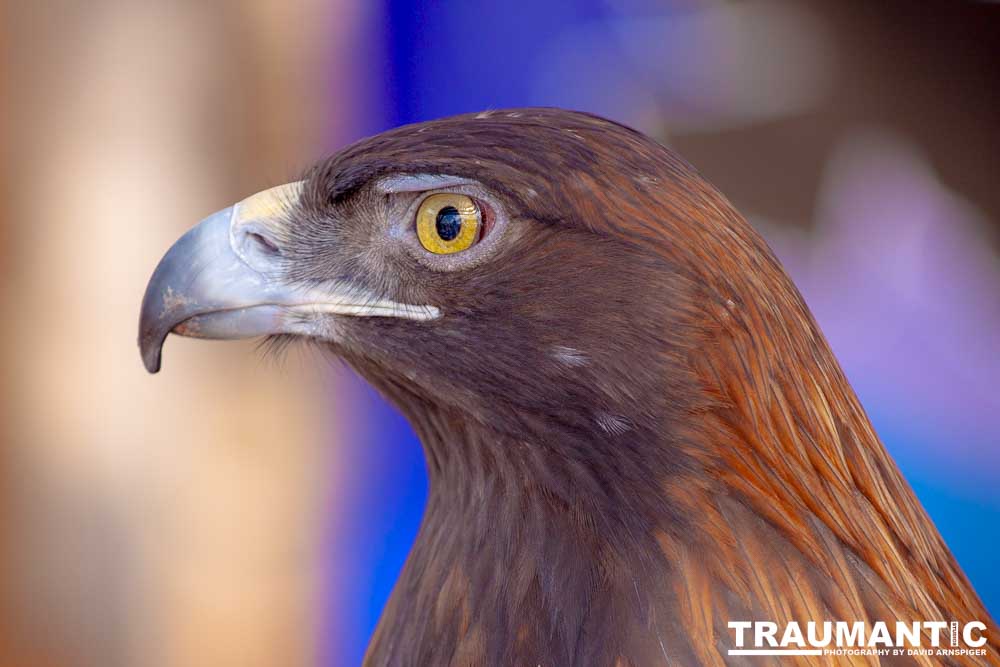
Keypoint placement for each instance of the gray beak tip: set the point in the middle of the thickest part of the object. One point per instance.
(151, 356)
(170, 297)
(150, 347)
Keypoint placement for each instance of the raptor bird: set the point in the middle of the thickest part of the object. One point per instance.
(635, 432)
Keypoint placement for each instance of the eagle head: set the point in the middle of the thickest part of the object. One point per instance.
(530, 269)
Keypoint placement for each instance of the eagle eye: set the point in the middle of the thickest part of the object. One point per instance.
(448, 222)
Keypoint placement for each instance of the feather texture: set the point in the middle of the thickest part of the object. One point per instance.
(635, 430)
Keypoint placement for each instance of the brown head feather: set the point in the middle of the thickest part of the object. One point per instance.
(696, 457)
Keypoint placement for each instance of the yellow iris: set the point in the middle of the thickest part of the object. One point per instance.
(448, 223)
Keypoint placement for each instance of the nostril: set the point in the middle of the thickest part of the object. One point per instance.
(257, 248)
(263, 244)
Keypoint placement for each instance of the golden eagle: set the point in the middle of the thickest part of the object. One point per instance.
(634, 430)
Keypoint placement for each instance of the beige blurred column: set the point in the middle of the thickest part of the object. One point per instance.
(153, 520)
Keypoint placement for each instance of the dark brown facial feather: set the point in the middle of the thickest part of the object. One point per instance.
(635, 431)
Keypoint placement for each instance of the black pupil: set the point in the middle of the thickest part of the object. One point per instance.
(449, 223)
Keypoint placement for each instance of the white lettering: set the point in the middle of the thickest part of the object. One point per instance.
(765, 630)
(858, 638)
(907, 634)
(967, 634)
(793, 634)
(853, 637)
(827, 634)
(739, 627)
(880, 635)
(935, 627)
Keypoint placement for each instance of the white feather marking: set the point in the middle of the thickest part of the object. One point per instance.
(613, 424)
(569, 356)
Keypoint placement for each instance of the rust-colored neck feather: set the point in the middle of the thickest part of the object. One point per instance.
(746, 482)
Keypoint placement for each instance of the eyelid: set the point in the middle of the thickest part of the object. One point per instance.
(419, 183)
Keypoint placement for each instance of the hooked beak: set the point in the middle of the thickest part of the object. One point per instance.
(224, 279)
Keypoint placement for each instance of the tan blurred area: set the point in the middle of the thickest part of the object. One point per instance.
(170, 519)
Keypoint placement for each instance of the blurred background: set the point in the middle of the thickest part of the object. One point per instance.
(234, 510)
